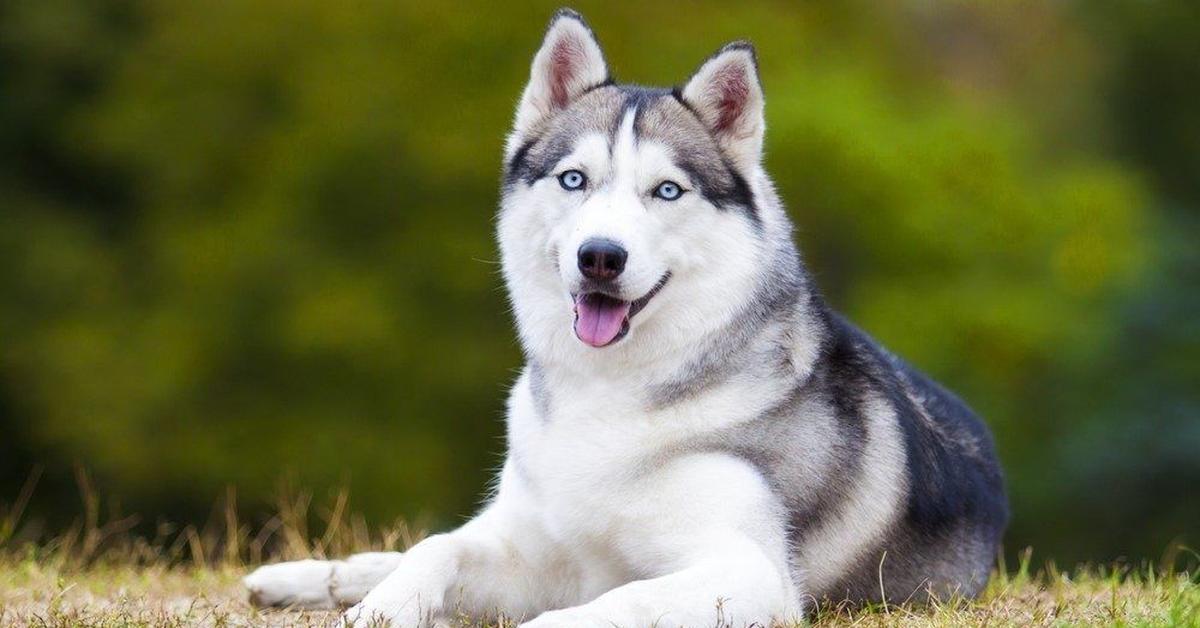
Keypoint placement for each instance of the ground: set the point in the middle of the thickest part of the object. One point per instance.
(33, 593)
(100, 574)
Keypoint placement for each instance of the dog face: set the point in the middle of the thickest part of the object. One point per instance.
(629, 218)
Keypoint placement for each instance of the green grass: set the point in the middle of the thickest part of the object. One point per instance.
(97, 574)
(113, 595)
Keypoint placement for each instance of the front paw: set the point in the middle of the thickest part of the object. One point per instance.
(301, 583)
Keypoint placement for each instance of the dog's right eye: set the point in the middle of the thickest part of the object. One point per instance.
(572, 180)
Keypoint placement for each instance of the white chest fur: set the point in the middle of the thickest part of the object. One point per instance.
(597, 469)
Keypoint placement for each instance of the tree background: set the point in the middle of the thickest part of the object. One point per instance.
(244, 242)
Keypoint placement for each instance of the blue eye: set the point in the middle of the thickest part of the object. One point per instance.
(668, 191)
(572, 180)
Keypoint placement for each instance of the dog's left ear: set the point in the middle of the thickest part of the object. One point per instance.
(567, 65)
(726, 94)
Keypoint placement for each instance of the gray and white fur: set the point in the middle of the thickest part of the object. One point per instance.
(697, 438)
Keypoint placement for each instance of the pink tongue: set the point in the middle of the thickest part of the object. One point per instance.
(598, 319)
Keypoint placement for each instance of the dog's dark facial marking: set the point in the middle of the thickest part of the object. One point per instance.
(664, 117)
(550, 141)
(660, 115)
(518, 166)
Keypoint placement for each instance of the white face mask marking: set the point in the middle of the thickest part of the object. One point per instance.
(625, 158)
(705, 253)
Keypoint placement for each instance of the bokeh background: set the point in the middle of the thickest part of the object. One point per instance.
(249, 242)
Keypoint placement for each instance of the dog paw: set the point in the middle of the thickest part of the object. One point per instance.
(302, 583)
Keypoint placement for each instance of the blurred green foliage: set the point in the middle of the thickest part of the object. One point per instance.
(246, 241)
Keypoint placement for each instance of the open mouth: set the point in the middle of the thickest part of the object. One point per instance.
(601, 319)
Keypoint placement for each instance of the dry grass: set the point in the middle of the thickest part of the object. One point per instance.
(111, 596)
(1089, 597)
(123, 596)
(97, 574)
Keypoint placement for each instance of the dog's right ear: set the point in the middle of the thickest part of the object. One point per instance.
(567, 65)
(726, 95)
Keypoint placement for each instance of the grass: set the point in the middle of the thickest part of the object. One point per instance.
(98, 574)
(111, 595)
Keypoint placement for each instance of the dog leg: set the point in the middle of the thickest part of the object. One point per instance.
(706, 535)
(734, 586)
(497, 564)
(320, 584)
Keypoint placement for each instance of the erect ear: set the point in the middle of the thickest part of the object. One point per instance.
(568, 63)
(727, 96)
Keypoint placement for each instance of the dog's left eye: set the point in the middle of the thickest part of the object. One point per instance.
(572, 180)
(668, 191)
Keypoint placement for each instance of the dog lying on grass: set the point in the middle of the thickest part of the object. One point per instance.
(696, 438)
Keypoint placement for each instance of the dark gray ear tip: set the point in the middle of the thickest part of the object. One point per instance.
(742, 45)
(567, 13)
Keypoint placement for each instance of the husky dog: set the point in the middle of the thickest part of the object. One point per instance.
(696, 438)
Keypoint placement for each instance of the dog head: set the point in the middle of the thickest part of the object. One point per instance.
(629, 223)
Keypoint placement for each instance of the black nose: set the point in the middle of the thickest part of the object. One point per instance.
(601, 259)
